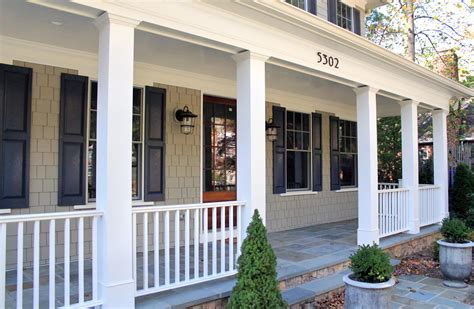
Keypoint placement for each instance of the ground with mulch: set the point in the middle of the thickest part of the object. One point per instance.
(420, 263)
(333, 301)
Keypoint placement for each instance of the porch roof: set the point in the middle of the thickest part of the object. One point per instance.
(251, 25)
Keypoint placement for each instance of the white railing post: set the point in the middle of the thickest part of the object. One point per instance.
(440, 161)
(409, 113)
(114, 159)
(251, 155)
(368, 230)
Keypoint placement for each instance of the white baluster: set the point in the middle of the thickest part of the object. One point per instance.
(52, 263)
(67, 259)
(239, 229)
(167, 247)
(19, 267)
(36, 258)
(95, 290)
(231, 238)
(186, 245)
(134, 248)
(156, 247)
(196, 243)
(223, 239)
(214, 240)
(176, 247)
(145, 251)
(206, 243)
(3, 250)
(80, 243)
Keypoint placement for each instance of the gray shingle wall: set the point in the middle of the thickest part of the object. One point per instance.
(289, 212)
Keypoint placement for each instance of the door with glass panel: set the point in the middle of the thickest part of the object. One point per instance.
(220, 154)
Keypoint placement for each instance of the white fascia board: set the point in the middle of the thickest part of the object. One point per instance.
(219, 24)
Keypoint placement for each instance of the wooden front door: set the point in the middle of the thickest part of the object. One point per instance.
(220, 153)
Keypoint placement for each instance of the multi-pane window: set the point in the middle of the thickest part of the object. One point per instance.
(307, 5)
(348, 153)
(219, 146)
(137, 143)
(344, 15)
(298, 150)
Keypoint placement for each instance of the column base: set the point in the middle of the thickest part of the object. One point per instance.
(365, 237)
(118, 294)
(414, 227)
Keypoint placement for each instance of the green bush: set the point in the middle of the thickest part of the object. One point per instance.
(257, 286)
(469, 219)
(454, 230)
(463, 187)
(371, 264)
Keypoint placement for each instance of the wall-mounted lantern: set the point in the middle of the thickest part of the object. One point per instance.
(186, 119)
(272, 130)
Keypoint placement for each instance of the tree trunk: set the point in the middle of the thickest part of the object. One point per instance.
(410, 19)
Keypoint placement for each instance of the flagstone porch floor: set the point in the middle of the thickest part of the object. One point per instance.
(298, 251)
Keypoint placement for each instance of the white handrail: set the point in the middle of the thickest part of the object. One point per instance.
(393, 211)
(50, 216)
(163, 208)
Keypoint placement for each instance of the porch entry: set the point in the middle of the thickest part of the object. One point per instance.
(220, 155)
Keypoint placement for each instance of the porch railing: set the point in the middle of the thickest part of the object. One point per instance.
(185, 244)
(388, 185)
(393, 211)
(429, 211)
(67, 230)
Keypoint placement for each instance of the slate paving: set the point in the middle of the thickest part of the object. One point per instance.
(415, 291)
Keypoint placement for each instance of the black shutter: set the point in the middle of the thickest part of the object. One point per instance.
(334, 143)
(332, 4)
(155, 112)
(72, 140)
(312, 6)
(317, 152)
(279, 151)
(356, 21)
(15, 116)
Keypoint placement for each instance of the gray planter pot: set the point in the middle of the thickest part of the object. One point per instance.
(455, 262)
(367, 295)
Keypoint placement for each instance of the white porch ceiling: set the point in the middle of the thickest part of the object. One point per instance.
(31, 22)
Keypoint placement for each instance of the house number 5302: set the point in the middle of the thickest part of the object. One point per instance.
(328, 60)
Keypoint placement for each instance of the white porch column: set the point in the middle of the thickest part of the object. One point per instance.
(409, 113)
(114, 156)
(440, 160)
(251, 134)
(368, 231)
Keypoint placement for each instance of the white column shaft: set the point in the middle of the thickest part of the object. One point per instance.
(251, 143)
(409, 113)
(114, 156)
(368, 231)
(440, 160)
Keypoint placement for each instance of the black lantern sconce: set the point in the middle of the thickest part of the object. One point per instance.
(186, 119)
(272, 130)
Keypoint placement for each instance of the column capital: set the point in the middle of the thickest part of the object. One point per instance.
(408, 102)
(249, 55)
(364, 89)
(440, 112)
(110, 18)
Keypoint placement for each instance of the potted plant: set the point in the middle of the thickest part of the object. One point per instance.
(455, 253)
(370, 283)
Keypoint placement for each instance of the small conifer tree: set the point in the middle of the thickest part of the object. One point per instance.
(257, 286)
(463, 187)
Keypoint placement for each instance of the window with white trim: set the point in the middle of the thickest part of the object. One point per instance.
(344, 16)
(137, 143)
(298, 151)
(348, 153)
(306, 5)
